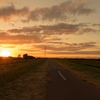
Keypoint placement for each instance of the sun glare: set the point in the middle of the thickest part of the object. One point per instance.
(5, 53)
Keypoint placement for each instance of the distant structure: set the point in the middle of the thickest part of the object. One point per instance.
(45, 52)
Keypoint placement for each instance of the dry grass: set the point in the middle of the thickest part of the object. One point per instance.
(29, 86)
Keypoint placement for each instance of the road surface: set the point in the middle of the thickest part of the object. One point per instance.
(65, 86)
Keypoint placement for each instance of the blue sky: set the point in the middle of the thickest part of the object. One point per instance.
(67, 28)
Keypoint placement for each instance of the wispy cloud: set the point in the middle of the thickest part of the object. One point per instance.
(96, 24)
(57, 29)
(60, 12)
(86, 53)
(9, 46)
(5, 38)
(88, 30)
(69, 47)
(9, 12)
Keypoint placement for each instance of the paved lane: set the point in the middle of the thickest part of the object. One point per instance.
(66, 86)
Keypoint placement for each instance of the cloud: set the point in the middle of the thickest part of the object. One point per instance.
(5, 38)
(58, 29)
(56, 46)
(25, 30)
(52, 32)
(2, 0)
(55, 42)
(60, 12)
(9, 12)
(9, 46)
(39, 42)
(87, 53)
(88, 30)
(61, 28)
(96, 25)
(47, 34)
(29, 50)
(73, 47)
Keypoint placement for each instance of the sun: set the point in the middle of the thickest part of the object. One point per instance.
(5, 53)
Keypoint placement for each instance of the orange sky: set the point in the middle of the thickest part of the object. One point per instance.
(67, 28)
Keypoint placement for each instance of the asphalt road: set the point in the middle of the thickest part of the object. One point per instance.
(65, 86)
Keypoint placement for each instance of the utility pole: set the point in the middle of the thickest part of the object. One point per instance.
(45, 52)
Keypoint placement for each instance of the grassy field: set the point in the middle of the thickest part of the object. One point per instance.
(86, 69)
(22, 79)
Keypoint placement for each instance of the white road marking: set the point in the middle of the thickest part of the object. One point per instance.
(61, 75)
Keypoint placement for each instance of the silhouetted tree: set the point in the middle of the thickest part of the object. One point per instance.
(25, 56)
(19, 56)
(31, 57)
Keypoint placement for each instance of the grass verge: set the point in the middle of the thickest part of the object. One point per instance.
(30, 85)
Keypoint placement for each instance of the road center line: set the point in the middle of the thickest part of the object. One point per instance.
(61, 75)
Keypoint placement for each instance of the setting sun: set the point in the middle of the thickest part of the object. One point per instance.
(5, 53)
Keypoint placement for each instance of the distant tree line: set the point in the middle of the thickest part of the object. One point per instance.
(26, 56)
